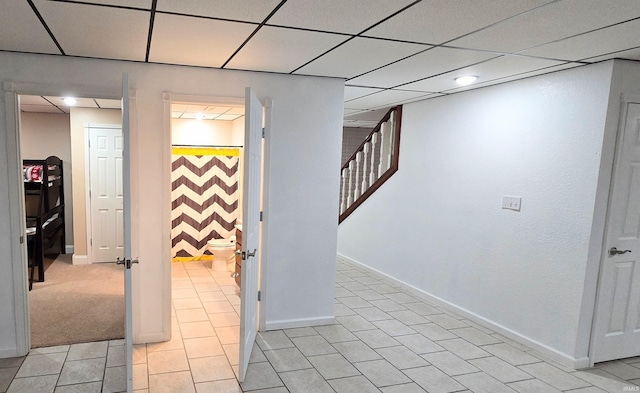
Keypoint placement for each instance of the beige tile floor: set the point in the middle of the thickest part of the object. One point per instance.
(385, 340)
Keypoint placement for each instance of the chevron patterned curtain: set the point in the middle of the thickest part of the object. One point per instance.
(204, 199)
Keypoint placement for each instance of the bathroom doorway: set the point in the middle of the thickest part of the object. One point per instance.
(207, 142)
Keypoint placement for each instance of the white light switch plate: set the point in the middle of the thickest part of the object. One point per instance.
(511, 203)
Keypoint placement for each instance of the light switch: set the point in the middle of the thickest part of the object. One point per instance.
(511, 203)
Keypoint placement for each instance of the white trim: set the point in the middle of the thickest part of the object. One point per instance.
(17, 223)
(80, 259)
(264, 235)
(149, 338)
(551, 353)
(298, 323)
(16, 194)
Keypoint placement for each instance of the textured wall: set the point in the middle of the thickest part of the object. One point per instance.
(437, 224)
(300, 196)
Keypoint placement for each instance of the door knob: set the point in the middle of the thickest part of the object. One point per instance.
(614, 251)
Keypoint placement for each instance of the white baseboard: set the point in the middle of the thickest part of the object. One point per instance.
(149, 338)
(551, 353)
(80, 260)
(8, 353)
(298, 323)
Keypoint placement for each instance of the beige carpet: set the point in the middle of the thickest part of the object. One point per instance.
(77, 304)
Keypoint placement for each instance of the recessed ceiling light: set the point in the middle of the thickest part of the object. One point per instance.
(70, 100)
(466, 80)
(199, 116)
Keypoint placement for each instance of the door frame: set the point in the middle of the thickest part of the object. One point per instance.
(12, 90)
(87, 182)
(167, 99)
(625, 100)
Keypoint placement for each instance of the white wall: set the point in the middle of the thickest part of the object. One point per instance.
(302, 196)
(201, 132)
(47, 134)
(437, 224)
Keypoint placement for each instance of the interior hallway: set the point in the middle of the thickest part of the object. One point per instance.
(385, 340)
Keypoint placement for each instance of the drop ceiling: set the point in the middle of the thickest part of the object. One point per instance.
(388, 51)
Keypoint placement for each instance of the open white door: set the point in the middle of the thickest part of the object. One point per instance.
(126, 198)
(252, 162)
(617, 324)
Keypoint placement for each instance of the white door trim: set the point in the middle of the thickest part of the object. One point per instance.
(11, 92)
(17, 223)
(167, 99)
(87, 189)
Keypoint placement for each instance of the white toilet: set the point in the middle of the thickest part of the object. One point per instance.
(223, 251)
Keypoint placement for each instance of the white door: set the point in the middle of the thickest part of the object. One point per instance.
(126, 197)
(617, 325)
(250, 229)
(106, 194)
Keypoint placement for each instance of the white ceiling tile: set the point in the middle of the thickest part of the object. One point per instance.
(146, 4)
(351, 92)
(549, 23)
(383, 98)
(228, 117)
(195, 41)
(349, 111)
(438, 21)
(367, 115)
(359, 124)
(20, 29)
(252, 11)
(517, 77)
(33, 100)
(631, 54)
(358, 56)
(500, 67)
(423, 65)
(282, 50)
(341, 16)
(619, 37)
(40, 108)
(80, 102)
(108, 104)
(124, 30)
(235, 111)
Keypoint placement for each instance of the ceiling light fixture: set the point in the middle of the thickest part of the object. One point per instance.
(199, 116)
(466, 80)
(69, 100)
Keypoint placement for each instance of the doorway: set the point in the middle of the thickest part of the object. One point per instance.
(207, 142)
(616, 331)
(221, 279)
(75, 303)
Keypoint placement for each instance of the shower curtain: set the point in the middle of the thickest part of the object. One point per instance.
(204, 199)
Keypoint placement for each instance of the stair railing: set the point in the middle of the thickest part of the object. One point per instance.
(372, 164)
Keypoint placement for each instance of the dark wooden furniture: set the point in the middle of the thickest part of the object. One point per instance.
(44, 206)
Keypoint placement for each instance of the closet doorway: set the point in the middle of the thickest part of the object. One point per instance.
(76, 302)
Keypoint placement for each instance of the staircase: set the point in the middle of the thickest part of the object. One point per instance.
(375, 161)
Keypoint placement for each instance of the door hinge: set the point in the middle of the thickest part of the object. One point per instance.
(260, 216)
(21, 239)
(263, 132)
(258, 295)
